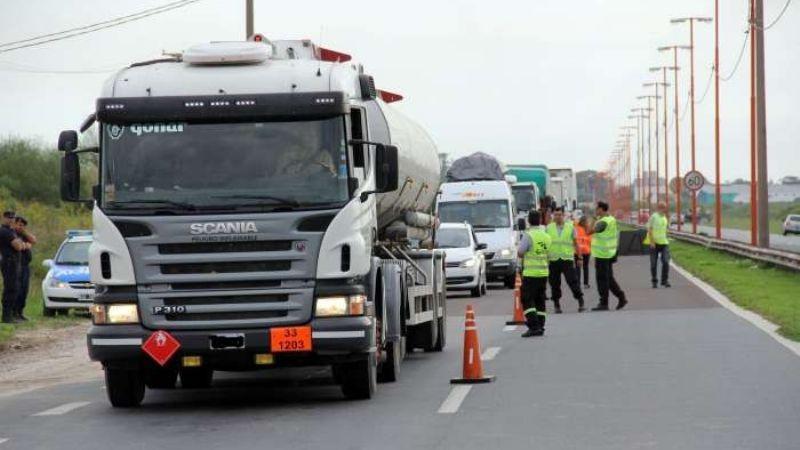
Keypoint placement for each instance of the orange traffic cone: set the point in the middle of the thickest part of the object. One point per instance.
(519, 317)
(473, 369)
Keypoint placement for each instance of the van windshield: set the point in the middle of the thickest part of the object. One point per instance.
(479, 214)
(524, 197)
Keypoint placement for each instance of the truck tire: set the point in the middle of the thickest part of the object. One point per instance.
(158, 378)
(360, 378)
(197, 378)
(390, 369)
(125, 387)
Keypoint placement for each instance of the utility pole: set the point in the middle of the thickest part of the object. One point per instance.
(691, 21)
(655, 85)
(639, 147)
(665, 85)
(678, 179)
(761, 123)
(753, 177)
(717, 171)
(650, 148)
(249, 19)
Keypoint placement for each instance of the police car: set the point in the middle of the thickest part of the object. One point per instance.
(67, 283)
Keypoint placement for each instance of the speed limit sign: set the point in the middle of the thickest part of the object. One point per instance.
(694, 180)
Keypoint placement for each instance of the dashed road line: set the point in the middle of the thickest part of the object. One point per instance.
(510, 328)
(490, 353)
(2, 440)
(454, 399)
(63, 409)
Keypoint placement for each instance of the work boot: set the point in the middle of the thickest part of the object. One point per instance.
(666, 284)
(533, 332)
(21, 318)
(581, 308)
(621, 303)
(7, 318)
(655, 285)
(601, 307)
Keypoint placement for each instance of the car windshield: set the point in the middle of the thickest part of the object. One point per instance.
(524, 197)
(479, 214)
(794, 218)
(452, 238)
(74, 254)
(225, 166)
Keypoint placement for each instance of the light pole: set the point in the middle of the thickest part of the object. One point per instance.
(650, 149)
(691, 21)
(656, 84)
(678, 183)
(640, 158)
(249, 18)
(718, 175)
(665, 85)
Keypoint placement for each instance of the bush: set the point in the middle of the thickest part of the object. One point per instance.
(29, 171)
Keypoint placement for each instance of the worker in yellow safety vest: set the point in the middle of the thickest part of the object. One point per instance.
(533, 249)
(605, 236)
(563, 249)
(659, 245)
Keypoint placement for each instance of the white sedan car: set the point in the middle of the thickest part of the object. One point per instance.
(67, 285)
(465, 263)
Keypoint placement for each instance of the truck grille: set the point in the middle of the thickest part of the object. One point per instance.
(225, 267)
(224, 285)
(224, 247)
(226, 300)
(235, 315)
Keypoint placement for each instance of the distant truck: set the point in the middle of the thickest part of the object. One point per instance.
(531, 173)
(258, 207)
(564, 188)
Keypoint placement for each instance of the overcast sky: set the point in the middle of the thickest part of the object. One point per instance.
(530, 81)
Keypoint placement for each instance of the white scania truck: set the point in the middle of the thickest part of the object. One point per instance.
(257, 206)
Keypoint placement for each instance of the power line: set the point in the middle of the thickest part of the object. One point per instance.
(708, 85)
(95, 27)
(739, 59)
(84, 27)
(777, 19)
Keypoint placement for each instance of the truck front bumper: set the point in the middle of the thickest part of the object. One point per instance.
(334, 340)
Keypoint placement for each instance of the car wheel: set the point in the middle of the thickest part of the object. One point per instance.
(48, 312)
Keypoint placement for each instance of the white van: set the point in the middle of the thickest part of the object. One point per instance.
(489, 207)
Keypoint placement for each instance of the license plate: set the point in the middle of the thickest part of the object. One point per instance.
(85, 297)
(290, 339)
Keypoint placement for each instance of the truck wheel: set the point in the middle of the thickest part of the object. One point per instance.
(125, 387)
(196, 378)
(360, 378)
(390, 369)
(157, 378)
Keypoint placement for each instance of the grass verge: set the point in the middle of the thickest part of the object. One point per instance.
(33, 311)
(769, 291)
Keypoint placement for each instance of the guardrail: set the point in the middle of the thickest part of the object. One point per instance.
(780, 258)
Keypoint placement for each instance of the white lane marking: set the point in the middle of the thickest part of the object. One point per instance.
(63, 409)
(761, 323)
(3, 440)
(454, 399)
(510, 328)
(121, 341)
(490, 353)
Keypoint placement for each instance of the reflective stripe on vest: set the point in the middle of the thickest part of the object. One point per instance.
(659, 223)
(535, 262)
(561, 246)
(604, 245)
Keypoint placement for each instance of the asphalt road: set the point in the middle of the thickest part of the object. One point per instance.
(790, 243)
(674, 371)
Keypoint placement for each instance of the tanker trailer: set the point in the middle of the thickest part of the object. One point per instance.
(259, 205)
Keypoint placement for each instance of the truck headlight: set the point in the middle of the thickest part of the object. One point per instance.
(506, 253)
(340, 305)
(114, 314)
(468, 263)
(58, 284)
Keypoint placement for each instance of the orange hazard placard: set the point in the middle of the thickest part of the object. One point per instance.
(290, 339)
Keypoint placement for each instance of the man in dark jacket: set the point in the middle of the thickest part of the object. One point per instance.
(10, 247)
(26, 255)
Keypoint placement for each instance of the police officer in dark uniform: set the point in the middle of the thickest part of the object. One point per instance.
(10, 247)
(26, 255)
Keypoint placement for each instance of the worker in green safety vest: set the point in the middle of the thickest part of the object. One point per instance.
(605, 236)
(659, 245)
(563, 249)
(533, 249)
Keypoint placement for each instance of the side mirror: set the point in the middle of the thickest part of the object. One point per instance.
(521, 224)
(47, 263)
(481, 246)
(68, 140)
(386, 165)
(70, 177)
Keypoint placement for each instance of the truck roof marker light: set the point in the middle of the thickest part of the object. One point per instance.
(245, 102)
(389, 97)
(115, 106)
(194, 104)
(326, 54)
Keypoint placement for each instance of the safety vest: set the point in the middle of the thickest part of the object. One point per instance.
(562, 246)
(584, 241)
(604, 245)
(534, 262)
(659, 224)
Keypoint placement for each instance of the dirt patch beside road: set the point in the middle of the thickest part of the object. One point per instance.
(39, 358)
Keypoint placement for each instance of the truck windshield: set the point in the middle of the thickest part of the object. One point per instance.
(524, 198)
(225, 166)
(479, 214)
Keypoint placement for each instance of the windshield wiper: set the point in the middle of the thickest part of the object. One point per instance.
(277, 200)
(181, 205)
